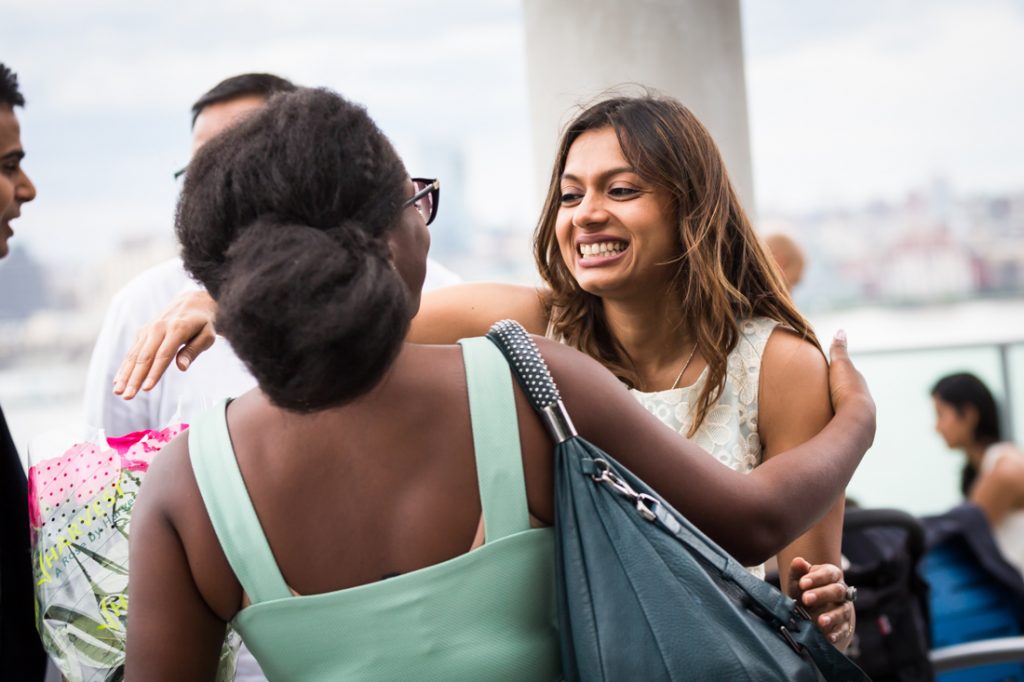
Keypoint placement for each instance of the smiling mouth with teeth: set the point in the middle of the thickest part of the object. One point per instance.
(599, 249)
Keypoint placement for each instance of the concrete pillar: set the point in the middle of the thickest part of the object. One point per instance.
(689, 49)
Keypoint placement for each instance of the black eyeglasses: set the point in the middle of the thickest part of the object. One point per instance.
(426, 198)
(181, 171)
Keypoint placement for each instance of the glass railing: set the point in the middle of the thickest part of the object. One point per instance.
(909, 467)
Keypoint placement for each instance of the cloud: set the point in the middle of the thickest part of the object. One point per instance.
(110, 84)
(886, 107)
(847, 101)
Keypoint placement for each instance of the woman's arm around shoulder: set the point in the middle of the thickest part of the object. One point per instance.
(757, 525)
(465, 310)
(180, 334)
(173, 633)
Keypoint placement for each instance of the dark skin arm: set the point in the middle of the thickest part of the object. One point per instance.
(173, 633)
(757, 525)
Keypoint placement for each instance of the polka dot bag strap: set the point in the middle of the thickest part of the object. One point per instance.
(533, 376)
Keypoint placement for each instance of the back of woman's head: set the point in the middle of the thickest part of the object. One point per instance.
(964, 391)
(723, 273)
(284, 218)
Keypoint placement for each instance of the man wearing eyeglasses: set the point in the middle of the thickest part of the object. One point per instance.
(146, 296)
(182, 395)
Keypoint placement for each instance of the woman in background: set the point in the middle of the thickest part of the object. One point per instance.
(967, 418)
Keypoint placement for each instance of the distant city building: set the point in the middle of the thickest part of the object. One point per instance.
(927, 266)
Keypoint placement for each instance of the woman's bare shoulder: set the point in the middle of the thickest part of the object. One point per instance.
(793, 395)
(793, 362)
(786, 347)
(1009, 466)
(169, 476)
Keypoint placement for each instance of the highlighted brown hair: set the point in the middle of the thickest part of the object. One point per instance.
(723, 274)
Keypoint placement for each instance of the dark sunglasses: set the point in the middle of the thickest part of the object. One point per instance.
(426, 198)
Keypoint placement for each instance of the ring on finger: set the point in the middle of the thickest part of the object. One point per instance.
(851, 593)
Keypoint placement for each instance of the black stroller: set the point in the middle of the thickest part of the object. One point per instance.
(892, 639)
(932, 598)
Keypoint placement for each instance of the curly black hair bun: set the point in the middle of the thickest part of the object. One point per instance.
(325, 335)
(284, 218)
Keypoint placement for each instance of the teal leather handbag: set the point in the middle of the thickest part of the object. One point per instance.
(642, 593)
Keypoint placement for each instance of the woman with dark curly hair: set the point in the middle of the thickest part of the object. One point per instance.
(350, 517)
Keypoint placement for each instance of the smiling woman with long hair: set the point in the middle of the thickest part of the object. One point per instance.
(652, 267)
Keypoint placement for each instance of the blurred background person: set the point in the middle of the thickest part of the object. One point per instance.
(21, 652)
(182, 396)
(154, 289)
(788, 256)
(967, 418)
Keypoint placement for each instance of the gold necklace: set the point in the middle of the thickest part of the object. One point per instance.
(687, 364)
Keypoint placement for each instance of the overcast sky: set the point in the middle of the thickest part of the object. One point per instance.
(848, 101)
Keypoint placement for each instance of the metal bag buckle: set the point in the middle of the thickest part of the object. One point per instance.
(645, 504)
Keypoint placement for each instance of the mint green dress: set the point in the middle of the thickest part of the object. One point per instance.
(485, 615)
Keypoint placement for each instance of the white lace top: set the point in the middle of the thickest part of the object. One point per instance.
(729, 431)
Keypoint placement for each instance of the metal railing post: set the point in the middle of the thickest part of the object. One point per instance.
(1009, 430)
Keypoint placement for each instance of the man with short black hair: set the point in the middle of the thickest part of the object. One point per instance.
(21, 653)
(261, 85)
(230, 100)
